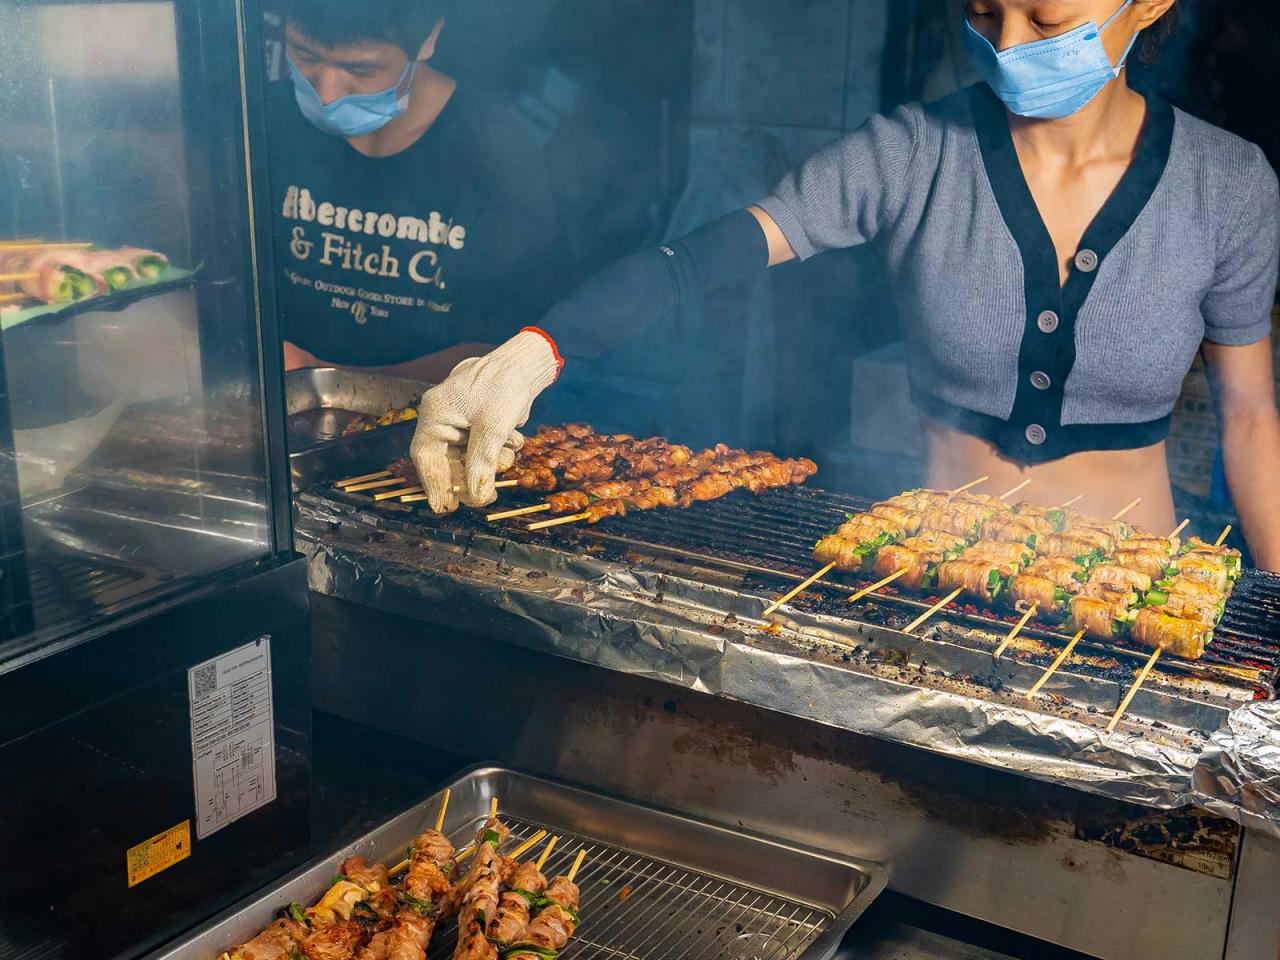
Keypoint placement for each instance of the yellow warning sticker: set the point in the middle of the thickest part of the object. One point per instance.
(159, 853)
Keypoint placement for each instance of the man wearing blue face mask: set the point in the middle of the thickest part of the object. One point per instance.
(1060, 249)
(412, 224)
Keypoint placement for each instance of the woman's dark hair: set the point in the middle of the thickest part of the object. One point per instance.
(1155, 35)
(406, 23)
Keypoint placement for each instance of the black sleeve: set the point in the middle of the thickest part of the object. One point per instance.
(622, 299)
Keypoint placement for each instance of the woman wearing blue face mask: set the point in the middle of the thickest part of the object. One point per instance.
(1060, 249)
(410, 221)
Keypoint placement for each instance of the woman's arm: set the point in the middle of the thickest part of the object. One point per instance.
(1244, 391)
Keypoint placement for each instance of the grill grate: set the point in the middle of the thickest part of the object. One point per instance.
(670, 912)
(772, 536)
(75, 587)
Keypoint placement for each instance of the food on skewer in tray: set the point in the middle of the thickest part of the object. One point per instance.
(1075, 572)
(367, 915)
(366, 422)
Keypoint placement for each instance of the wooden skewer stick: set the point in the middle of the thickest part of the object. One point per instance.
(522, 512)
(401, 492)
(413, 498)
(854, 598)
(493, 808)
(503, 484)
(17, 277)
(444, 806)
(527, 845)
(577, 862)
(934, 609)
(969, 485)
(1076, 499)
(1012, 490)
(1178, 529)
(1004, 644)
(1142, 675)
(1133, 503)
(373, 485)
(557, 521)
(1066, 652)
(1222, 537)
(364, 479)
(546, 852)
(804, 584)
(43, 245)
(13, 297)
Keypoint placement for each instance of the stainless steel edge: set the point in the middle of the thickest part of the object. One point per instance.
(843, 886)
(316, 388)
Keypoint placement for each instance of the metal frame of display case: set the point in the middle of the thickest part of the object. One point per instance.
(96, 739)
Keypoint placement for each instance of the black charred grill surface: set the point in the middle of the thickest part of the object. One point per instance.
(770, 539)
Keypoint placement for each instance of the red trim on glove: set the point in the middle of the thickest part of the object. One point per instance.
(555, 351)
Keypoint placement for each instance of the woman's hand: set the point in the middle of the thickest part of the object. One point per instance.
(478, 407)
(1244, 391)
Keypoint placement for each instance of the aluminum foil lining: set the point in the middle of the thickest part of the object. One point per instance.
(707, 639)
(1238, 773)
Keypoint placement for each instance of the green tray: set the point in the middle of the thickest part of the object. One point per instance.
(172, 279)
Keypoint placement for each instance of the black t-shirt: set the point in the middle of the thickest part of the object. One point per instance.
(383, 259)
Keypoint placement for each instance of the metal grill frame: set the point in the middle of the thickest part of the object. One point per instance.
(770, 536)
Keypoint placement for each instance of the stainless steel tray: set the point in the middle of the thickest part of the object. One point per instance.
(654, 885)
(321, 401)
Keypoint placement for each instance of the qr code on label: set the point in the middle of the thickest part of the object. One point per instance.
(204, 681)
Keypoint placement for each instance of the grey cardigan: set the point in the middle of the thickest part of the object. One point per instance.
(1186, 249)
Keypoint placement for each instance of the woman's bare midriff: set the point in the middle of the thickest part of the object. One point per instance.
(1106, 480)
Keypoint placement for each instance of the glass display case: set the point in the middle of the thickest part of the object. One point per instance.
(131, 320)
(154, 645)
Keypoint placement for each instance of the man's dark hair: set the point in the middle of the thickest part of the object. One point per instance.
(406, 23)
(1154, 37)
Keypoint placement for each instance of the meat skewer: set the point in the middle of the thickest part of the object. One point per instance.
(554, 925)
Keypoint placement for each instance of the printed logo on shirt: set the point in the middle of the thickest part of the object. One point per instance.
(357, 241)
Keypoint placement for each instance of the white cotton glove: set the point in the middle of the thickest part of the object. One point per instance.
(457, 456)
(479, 405)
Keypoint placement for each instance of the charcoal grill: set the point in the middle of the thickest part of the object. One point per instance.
(768, 540)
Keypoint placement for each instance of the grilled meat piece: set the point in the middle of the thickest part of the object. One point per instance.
(1063, 571)
(1185, 638)
(866, 527)
(975, 576)
(278, 942)
(908, 520)
(1205, 610)
(373, 878)
(1203, 568)
(1113, 577)
(514, 909)
(1199, 589)
(1030, 588)
(1150, 563)
(569, 501)
(1096, 616)
(426, 880)
(554, 925)
(917, 554)
(1014, 528)
(962, 519)
(1015, 555)
(846, 554)
(1070, 544)
(335, 941)
(604, 509)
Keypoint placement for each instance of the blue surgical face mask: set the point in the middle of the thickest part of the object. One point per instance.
(356, 114)
(1047, 79)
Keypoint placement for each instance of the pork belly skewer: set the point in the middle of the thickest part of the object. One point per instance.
(525, 884)
(865, 534)
(554, 925)
(328, 928)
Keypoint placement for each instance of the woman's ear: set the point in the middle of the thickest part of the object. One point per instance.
(428, 48)
(1149, 11)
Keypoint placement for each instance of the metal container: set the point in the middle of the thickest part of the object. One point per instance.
(321, 401)
(654, 884)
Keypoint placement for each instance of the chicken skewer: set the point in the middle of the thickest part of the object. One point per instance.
(553, 926)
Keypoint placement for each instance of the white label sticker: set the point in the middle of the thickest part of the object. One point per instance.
(233, 754)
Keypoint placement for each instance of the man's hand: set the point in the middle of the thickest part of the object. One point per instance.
(479, 406)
